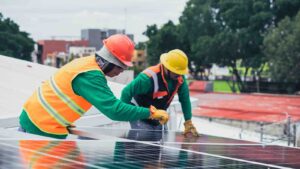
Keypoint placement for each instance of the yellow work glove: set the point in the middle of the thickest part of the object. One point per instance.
(161, 115)
(190, 128)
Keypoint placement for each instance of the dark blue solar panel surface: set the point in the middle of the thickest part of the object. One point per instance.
(105, 154)
(120, 148)
(214, 146)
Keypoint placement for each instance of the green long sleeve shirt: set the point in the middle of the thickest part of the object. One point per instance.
(98, 93)
(92, 86)
(142, 85)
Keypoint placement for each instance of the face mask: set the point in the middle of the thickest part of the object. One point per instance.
(105, 66)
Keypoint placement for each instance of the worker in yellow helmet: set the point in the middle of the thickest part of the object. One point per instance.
(78, 85)
(157, 85)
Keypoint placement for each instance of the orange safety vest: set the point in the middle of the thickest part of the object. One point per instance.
(54, 105)
(160, 97)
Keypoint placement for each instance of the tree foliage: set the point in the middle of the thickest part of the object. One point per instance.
(283, 8)
(226, 32)
(282, 48)
(14, 43)
(161, 41)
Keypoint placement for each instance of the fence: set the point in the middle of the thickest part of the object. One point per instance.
(285, 131)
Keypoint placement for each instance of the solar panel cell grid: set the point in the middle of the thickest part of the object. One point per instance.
(256, 153)
(105, 154)
(270, 154)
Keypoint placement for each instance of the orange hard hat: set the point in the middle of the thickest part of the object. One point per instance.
(121, 47)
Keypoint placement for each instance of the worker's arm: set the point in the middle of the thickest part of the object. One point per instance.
(184, 99)
(140, 85)
(92, 86)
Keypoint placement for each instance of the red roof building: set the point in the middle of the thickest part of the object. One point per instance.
(50, 46)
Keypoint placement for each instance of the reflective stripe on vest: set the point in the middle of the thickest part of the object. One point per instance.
(66, 99)
(152, 72)
(133, 101)
(50, 110)
(55, 105)
(156, 94)
(154, 77)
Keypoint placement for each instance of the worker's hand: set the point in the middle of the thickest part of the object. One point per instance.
(190, 128)
(161, 115)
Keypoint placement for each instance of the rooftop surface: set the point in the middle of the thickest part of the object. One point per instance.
(247, 107)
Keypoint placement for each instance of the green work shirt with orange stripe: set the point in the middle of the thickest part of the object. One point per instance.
(92, 86)
(143, 85)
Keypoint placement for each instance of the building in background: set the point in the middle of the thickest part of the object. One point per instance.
(139, 58)
(77, 52)
(139, 61)
(59, 52)
(131, 36)
(96, 36)
(52, 47)
(56, 59)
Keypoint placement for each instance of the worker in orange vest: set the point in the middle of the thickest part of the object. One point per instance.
(157, 85)
(78, 85)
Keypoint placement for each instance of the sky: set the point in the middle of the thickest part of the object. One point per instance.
(45, 19)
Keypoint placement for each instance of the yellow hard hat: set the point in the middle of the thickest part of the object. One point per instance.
(175, 61)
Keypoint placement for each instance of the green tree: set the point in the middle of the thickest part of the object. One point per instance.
(14, 43)
(197, 26)
(231, 32)
(282, 48)
(283, 8)
(140, 46)
(226, 32)
(161, 41)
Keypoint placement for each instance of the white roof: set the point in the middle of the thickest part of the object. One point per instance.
(18, 81)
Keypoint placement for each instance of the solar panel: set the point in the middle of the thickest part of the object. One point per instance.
(106, 154)
(237, 150)
(121, 148)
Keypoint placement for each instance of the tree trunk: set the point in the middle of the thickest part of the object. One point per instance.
(239, 81)
(232, 86)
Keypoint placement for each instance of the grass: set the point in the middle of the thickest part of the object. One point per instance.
(222, 86)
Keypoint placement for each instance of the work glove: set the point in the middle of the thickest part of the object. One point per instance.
(161, 115)
(190, 128)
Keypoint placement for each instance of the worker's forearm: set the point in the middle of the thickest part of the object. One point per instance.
(187, 110)
(120, 111)
(184, 99)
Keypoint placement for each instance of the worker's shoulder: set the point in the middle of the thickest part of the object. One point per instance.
(91, 74)
(142, 76)
(141, 79)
